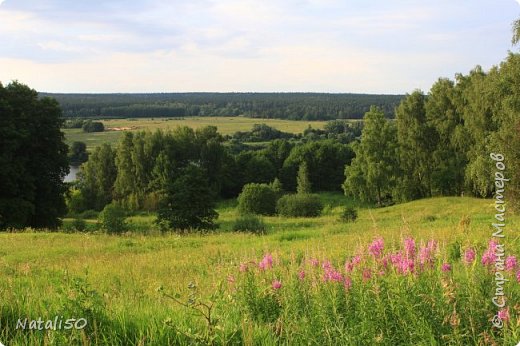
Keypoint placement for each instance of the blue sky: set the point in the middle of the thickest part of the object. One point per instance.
(248, 45)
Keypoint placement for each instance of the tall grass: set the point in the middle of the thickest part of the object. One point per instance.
(114, 281)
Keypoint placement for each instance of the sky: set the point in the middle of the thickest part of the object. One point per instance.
(358, 46)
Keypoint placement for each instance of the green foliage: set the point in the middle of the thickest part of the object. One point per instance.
(76, 201)
(299, 205)
(257, 199)
(33, 159)
(73, 123)
(79, 225)
(249, 223)
(96, 178)
(349, 214)
(93, 126)
(371, 176)
(292, 106)
(325, 158)
(112, 219)
(303, 185)
(188, 203)
(78, 153)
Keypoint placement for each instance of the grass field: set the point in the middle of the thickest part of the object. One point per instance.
(225, 125)
(114, 281)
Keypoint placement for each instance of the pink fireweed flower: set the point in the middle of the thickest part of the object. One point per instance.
(277, 285)
(347, 283)
(469, 256)
(367, 274)
(446, 267)
(332, 275)
(503, 314)
(266, 263)
(405, 266)
(376, 248)
(350, 265)
(425, 256)
(511, 263)
(326, 265)
(409, 247)
(243, 267)
(301, 275)
(518, 276)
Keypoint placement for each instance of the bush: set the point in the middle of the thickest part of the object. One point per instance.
(257, 199)
(299, 205)
(249, 223)
(349, 214)
(112, 219)
(93, 126)
(79, 225)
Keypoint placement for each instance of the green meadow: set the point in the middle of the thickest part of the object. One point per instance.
(225, 126)
(148, 288)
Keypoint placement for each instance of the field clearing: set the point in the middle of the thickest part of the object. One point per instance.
(225, 125)
(127, 270)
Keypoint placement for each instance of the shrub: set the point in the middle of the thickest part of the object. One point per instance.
(93, 126)
(112, 219)
(249, 223)
(79, 225)
(349, 214)
(257, 199)
(299, 205)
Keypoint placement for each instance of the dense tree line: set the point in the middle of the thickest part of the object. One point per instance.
(440, 142)
(293, 106)
(140, 169)
(33, 159)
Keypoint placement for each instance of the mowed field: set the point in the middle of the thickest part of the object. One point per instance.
(119, 282)
(225, 125)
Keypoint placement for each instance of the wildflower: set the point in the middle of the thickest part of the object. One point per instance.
(332, 274)
(277, 285)
(409, 247)
(349, 266)
(301, 275)
(405, 265)
(314, 262)
(243, 267)
(426, 254)
(326, 265)
(518, 276)
(367, 274)
(267, 262)
(446, 267)
(503, 314)
(376, 248)
(511, 263)
(347, 283)
(469, 256)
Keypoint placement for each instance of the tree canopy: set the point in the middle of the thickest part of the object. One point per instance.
(33, 159)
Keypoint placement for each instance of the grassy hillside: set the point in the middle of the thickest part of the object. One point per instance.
(115, 278)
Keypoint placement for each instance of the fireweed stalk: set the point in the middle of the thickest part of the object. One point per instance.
(496, 251)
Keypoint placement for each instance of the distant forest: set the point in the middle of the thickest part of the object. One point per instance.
(292, 106)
